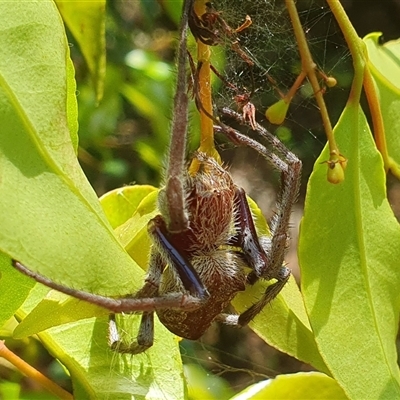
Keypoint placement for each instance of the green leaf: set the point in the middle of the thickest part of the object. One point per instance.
(86, 21)
(120, 204)
(51, 219)
(14, 288)
(303, 385)
(133, 233)
(53, 310)
(10, 390)
(349, 252)
(72, 104)
(283, 323)
(385, 58)
(204, 386)
(384, 63)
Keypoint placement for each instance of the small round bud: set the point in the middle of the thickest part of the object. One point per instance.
(335, 172)
(330, 81)
(336, 166)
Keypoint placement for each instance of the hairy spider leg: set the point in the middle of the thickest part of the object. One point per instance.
(130, 304)
(274, 249)
(175, 211)
(144, 339)
(145, 336)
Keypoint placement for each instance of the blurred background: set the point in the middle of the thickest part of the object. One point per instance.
(124, 138)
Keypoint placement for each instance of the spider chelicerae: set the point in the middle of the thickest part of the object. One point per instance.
(204, 239)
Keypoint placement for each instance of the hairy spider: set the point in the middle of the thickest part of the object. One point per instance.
(204, 240)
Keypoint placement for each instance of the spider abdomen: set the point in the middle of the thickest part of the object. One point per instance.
(223, 273)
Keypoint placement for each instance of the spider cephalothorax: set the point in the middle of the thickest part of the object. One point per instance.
(205, 245)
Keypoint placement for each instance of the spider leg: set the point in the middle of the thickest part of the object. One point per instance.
(246, 236)
(290, 167)
(173, 197)
(144, 338)
(271, 292)
(118, 305)
(247, 239)
(266, 257)
(247, 316)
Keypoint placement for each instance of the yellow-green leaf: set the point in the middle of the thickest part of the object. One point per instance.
(86, 21)
(349, 251)
(303, 385)
(51, 219)
(120, 204)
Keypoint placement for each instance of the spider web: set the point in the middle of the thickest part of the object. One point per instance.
(270, 44)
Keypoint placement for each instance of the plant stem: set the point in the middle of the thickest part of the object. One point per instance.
(364, 78)
(204, 86)
(206, 123)
(33, 373)
(376, 114)
(356, 47)
(309, 66)
(299, 80)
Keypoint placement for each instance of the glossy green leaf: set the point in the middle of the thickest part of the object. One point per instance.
(14, 289)
(10, 390)
(385, 58)
(133, 233)
(202, 385)
(303, 385)
(349, 253)
(284, 324)
(51, 219)
(72, 104)
(53, 310)
(86, 21)
(384, 63)
(120, 204)
(82, 346)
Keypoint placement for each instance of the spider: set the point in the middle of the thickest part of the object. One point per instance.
(204, 239)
